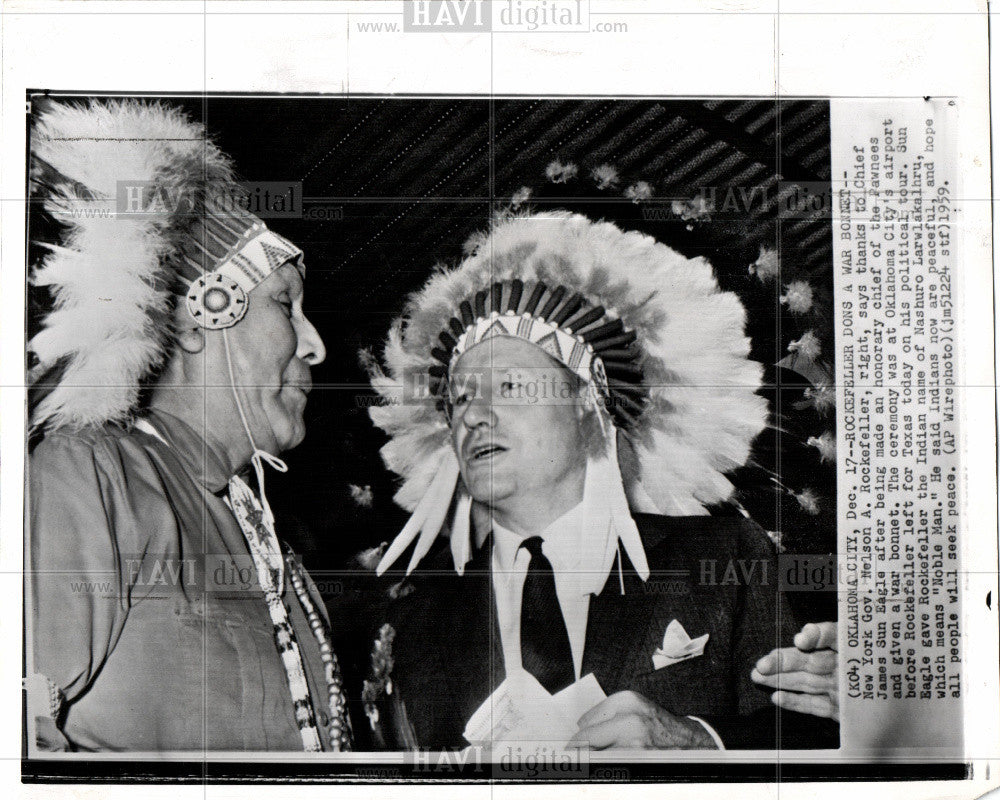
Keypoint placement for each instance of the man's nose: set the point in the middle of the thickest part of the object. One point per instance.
(479, 412)
(310, 348)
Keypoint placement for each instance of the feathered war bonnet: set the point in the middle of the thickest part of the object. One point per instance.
(662, 346)
(151, 215)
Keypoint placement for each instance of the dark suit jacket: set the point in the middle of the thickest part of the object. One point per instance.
(715, 575)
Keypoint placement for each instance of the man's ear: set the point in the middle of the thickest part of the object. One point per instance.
(190, 335)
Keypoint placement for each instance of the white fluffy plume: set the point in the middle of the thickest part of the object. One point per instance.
(111, 276)
(704, 413)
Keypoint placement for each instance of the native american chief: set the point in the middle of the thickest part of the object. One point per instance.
(163, 613)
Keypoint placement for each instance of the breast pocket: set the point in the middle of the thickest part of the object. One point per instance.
(697, 685)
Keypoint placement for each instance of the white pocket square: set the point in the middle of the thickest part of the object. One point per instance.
(677, 646)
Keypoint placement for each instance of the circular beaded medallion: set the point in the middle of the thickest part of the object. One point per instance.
(215, 301)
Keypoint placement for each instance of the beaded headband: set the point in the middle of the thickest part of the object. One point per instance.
(233, 254)
(580, 335)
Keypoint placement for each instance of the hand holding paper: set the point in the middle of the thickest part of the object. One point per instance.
(521, 711)
(630, 721)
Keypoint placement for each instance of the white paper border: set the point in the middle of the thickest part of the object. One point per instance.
(694, 48)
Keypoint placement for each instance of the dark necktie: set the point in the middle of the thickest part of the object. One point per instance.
(545, 650)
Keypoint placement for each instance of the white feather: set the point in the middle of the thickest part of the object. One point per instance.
(110, 276)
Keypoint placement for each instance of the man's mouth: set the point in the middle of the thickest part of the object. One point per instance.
(303, 387)
(484, 452)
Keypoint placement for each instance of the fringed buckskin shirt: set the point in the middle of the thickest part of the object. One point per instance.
(144, 608)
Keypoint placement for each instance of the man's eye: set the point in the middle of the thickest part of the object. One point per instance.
(508, 388)
(287, 305)
(462, 399)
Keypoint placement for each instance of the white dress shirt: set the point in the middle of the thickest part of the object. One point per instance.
(578, 549)
(582, 551)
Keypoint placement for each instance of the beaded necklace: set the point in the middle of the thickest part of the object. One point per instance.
(340, 723)
(267, 558)
(266, 552)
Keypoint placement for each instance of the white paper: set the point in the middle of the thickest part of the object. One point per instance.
(521, 710)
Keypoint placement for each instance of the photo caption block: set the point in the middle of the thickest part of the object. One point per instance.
(894, 205)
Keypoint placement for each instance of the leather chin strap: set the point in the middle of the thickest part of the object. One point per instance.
(258, 457)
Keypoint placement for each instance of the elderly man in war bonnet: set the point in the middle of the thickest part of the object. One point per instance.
(164, 614)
